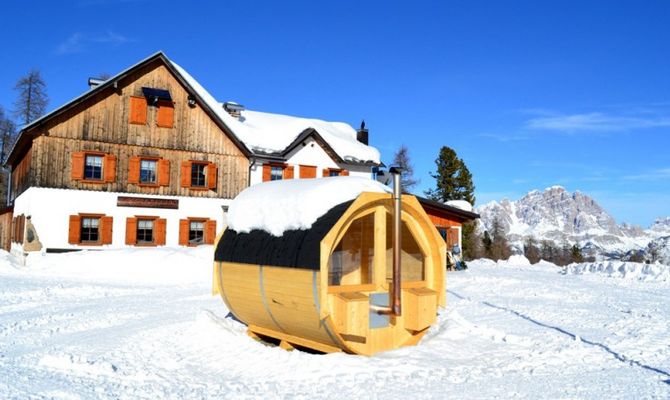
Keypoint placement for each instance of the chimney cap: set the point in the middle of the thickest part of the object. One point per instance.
(94, 82)
(233, 106)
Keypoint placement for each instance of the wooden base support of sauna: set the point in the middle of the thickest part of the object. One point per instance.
(288, 341)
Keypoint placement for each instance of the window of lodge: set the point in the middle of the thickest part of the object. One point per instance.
(93, 167)
(90, 231)
(148, 171)
(145, 231)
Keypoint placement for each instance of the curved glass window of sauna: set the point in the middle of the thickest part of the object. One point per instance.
(351, 263)
(412, 258)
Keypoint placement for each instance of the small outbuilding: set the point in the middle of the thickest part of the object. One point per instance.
(312, 263)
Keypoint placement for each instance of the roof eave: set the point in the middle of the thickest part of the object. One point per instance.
(467, 215)
(327, 147)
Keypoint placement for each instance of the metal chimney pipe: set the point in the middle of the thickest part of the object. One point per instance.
(397, 241)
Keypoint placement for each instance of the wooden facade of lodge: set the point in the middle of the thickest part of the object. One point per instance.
(144, 133)
(448, 220)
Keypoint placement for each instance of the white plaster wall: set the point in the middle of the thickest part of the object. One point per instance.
(310, 154)
(50, 209)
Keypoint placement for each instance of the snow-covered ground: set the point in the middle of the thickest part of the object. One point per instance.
(142, 324)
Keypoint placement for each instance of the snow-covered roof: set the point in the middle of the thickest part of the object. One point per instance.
(460, 204)
(273, 133)
(294, 204)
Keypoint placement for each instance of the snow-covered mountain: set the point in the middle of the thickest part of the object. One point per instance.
(661, 227)
(560, 216)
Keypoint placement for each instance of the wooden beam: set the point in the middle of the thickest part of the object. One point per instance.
(292, 340)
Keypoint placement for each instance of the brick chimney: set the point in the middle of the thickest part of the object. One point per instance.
(362, 133)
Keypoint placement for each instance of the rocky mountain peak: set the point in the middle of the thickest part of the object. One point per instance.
(661, 226)
(558, 215)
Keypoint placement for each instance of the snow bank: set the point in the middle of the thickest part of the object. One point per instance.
(623, 270)
(482, 262)
(284, 205)
(515, 260)
(160, 266)
(545, 264)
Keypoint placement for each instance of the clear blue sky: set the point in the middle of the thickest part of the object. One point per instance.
(530, 94)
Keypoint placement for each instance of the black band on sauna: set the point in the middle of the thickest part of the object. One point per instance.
(294, 249)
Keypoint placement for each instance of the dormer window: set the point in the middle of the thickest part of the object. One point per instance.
(155, 96)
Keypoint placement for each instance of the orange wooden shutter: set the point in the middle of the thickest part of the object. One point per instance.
(210, 232)
(326, 172)
(288, 172)
(131, 230)
(267, 172)
(110, 168)
(344, 172)
(183, 232)
(77, 171)
(211, 175)
(160, 231)
(163, 172)
(75, 229)
(165, 115)
(186, 174)
(138, 110)
(106, 224)
(307, 171)
(134, 170)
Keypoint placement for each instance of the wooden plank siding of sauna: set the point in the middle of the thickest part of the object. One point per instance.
(102, 124)
(52, 164)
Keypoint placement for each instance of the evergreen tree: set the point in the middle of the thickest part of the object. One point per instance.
(454, 180)
(7, 135)
(500, 249)
(548, 251)
(401, 159)
(472, 244)
(531, 251)
(636, 256)
(32, 97)
(576, 254)
(487, 244)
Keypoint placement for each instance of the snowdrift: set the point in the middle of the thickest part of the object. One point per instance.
(623, 270)
(136, 266)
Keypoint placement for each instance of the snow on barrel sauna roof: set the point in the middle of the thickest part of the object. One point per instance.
(283, 222)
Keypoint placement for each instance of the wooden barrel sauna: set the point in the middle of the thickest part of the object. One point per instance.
(323, 287)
